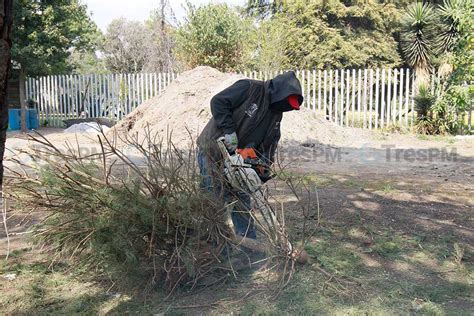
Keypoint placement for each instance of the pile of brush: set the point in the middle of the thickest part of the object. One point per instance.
(138, 207)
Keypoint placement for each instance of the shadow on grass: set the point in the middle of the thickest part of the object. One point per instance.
(398, 245)
(393, 239)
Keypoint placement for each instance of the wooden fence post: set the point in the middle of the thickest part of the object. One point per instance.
(365, 98)
(325, 92)
(394, 107)
(336, 99)
(319, 89)
(382, 99)
(353, 96)
(377, 79)
(407, 94)
(330, 95)
(314, 90)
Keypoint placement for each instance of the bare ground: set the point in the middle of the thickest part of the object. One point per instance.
(396, 233)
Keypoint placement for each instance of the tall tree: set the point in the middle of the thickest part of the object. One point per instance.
(432, 33)
(263, 8)
(126, 46)
(457, 38)
(6, 18)
(213, 36)
(132, 46)
(418, 38)
(162, 39)
(266, 46)
(330, 33)
(44, 35)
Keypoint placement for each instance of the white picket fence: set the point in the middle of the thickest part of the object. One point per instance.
(58, 98)
(367, 98)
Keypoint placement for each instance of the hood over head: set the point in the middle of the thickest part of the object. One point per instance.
(283, 86)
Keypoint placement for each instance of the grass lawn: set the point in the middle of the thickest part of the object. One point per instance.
(385, 247)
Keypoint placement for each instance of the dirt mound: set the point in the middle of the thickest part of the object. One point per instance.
(183, 110)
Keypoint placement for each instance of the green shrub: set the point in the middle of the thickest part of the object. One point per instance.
(424, 101)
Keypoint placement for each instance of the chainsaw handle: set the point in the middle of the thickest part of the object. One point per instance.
(222, 140)
(221, 143)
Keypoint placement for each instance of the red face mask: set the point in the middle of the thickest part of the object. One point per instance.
(293, 101)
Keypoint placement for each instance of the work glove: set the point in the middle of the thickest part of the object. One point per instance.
(230, 141)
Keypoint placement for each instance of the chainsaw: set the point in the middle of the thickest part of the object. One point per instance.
(244, 172)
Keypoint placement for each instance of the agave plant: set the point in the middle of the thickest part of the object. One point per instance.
(418, 37)
(424, 100)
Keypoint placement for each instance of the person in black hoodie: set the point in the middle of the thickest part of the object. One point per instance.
(248, 115)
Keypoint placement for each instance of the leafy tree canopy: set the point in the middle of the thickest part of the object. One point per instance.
(132, 46)
(46, 32)
(334, 33)
(125, 46)
(265, 48)
(213, 35)
(87, 62)
(162, 41)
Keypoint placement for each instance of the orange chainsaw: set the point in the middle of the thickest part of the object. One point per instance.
(250, 157)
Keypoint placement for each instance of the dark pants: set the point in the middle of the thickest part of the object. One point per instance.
(240, 214)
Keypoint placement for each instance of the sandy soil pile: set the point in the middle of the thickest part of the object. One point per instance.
(183, 109)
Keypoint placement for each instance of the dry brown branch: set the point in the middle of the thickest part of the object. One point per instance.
(140, 208)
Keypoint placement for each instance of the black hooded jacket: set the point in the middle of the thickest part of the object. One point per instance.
(253, 109)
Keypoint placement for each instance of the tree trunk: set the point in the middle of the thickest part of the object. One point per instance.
(422, 77)
(22, 81)
(6, 18)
